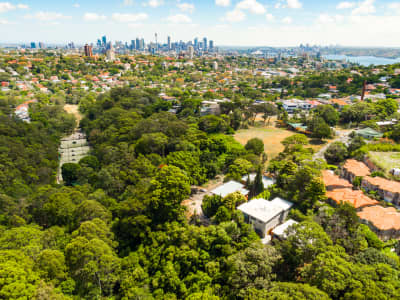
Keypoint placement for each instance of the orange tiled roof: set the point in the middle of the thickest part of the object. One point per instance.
(383, 218)
(339, 102)
(384, 184)
(355, 198)
(357, 168)
(333, 181)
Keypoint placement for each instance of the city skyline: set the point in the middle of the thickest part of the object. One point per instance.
(230, 22)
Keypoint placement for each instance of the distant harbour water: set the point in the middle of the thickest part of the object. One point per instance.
(364, 60)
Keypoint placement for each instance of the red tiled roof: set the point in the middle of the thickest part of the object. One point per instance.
(384, 184)
(383, 218)
(355, 198)
(333, 181)
(357, 168)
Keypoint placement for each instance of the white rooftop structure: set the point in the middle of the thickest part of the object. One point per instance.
(264, 210)
(279, 231)
(229, 188)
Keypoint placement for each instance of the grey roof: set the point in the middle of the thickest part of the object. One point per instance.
(264, 210)
(266, 180)
(230, 187)
(280, 230)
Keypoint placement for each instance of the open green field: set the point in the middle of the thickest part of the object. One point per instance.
(385, 160)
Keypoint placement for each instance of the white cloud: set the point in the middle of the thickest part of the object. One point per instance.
(76, 5)
(364, 8)
(395, 7)
(252, 6)
(127, 2)
(47, 16)
(22, 6)
(269, 17)
(345, 5)
(7, 6)
(223, 3)
(294, 4)
(179, 18)
(188, 7)
(154, 3)
(235, 15)
(287, 20)
(4, 22)
(328, 19)
(93, 17)
(129, 18)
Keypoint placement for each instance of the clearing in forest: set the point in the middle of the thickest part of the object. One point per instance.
(271, 136)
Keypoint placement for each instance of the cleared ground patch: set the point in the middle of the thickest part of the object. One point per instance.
(385, 160)
(271, 136)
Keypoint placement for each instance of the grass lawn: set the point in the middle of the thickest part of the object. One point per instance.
(272, 138)
(385, 160)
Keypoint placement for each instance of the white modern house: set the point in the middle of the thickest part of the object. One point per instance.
(229, 188)
(265, 215)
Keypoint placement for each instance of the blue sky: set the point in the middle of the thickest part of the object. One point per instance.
(227, 22)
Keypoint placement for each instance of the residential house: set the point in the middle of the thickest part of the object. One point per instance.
(333, 182)
(229, 188)
(265, 180)
(354, 168)
(369, 133)
(355, 198)
(265, 215)
(389, 190)
(384, 221)
(280, 232)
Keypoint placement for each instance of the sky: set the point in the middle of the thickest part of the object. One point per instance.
(372, 23)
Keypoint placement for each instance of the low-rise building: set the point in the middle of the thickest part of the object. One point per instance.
(354, 168)
(369, 133)
(333, 181)
(384, 221)
(355, 198)
(265, 215)
(389, 190)
(229, 188)
(280, 232)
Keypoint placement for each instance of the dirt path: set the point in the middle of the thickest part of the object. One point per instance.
(195, 201)
(342, 137)
(74, 109)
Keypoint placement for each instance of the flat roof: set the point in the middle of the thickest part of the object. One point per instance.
(280, 230)
(264, 210)
(228, 188)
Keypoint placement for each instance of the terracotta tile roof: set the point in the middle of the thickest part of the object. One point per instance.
(356, 167)
(333, 181)
(384, 184)
(354, 197)
(339, 102)
(383, 218)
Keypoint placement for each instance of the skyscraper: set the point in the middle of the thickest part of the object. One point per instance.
(191, 52)
(196, 43)
(110, 53)
(169, 43)
(33, 45)
(104, 39)
(137, 44)
(41, 45)
(205, 44)
(88, 50)
(211, 45)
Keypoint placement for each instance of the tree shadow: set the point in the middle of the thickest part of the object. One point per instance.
(317, 142)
